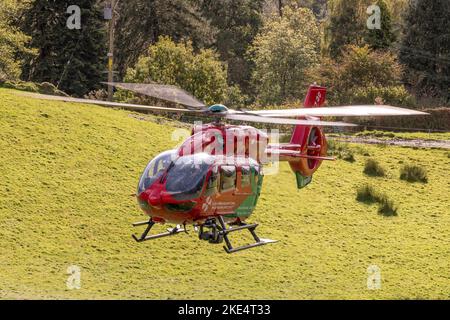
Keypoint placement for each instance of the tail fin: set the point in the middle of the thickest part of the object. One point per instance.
(310, 140)
(314, 98)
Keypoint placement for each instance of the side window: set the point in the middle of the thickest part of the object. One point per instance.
(211, 184)
(245, 176)
(257, 173)
(227, 178)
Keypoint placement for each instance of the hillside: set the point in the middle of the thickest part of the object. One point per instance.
(67, 172)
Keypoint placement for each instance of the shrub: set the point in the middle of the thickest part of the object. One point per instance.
(200, 73)
(349, 157)
(367, 194)
(393, 95)
(373, 168)
(413, 173)
(387, 207)
(378, 75)
(341, 151)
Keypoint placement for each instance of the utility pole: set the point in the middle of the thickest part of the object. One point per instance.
(112, 23)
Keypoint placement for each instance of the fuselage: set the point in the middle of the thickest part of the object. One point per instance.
(216, 171)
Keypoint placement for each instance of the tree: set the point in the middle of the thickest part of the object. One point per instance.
(425, 49)
(13, 42)
(361, 76)
(237, 23)
(345, 27)
(166, 62)
(286, 47)
(384, 37)
(142, 22)
(72, 59)
(318, 7)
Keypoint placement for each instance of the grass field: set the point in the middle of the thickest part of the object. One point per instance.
(406, 135)
(67, 172)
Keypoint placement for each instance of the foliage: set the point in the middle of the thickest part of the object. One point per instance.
(384, 37)
(73, 60)
(392, 95)
(367, 194)
(362, 75)
(141, 23)
(373, 168)
(13, 42)
(413, 173)
(425, 48)
(346, 26)
(166, 62)
(286, 47)
(341, 150)
(44, 87)
(237, 22)
(387, 206)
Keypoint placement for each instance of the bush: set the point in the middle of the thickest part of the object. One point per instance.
(369, 195)
(393, 95)
(362, 75)
(44, 87)
(412, 173)
(202, 74)
(373, 168)
(341, 151)
(387, 207)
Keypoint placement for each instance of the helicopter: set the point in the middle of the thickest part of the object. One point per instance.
(213, 180)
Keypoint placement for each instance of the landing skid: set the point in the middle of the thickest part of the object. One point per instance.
(145, 237)
(219, 233)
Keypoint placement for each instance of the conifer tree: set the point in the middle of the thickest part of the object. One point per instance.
(384, 37)
(71, 59)
(345, 26)
(425, 48)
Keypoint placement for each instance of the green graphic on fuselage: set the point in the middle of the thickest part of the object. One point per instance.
(249, 204)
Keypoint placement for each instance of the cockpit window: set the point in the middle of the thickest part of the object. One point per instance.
(155, 169)
(185, 179)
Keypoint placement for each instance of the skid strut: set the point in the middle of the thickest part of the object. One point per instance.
(150, 223)
(219, 232)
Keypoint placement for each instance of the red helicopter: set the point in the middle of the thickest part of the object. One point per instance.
(214, 179)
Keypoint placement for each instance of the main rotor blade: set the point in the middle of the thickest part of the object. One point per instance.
(345, 111)
(259, 119)
(163, 92)
(128, 106)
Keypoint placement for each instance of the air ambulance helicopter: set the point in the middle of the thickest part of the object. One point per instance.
(214, 179)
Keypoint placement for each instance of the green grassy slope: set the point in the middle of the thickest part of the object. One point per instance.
(66, 175)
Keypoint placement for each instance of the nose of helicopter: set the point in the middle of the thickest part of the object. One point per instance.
(149, 197)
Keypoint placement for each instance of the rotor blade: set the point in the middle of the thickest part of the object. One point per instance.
(249, 118)
(163, 92)
(345, 111)
(128, 106)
